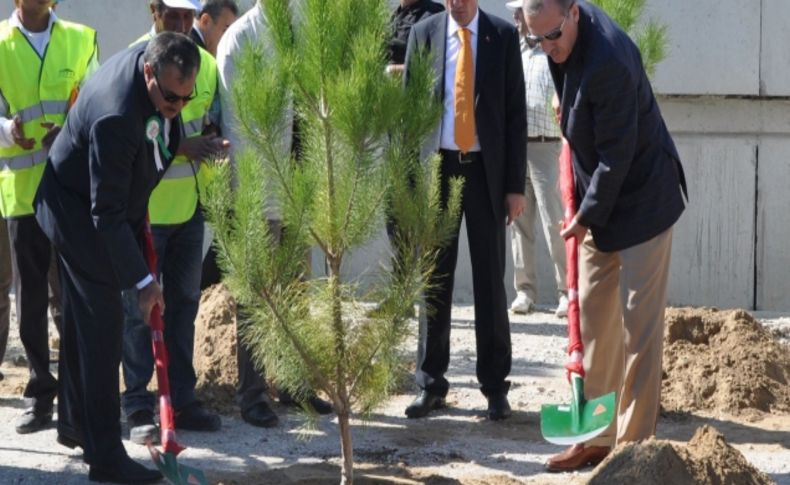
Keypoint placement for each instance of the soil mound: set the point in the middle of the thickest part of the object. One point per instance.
(215, 349)
(707, 459)
(723, 361)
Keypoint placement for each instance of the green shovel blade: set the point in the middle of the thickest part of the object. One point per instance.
(176, 473)
(578, 422)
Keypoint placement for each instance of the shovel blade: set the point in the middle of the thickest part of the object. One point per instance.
(174, 472)
(557, 421)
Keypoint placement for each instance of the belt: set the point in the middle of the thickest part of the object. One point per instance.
(543, 139)
(463, 158)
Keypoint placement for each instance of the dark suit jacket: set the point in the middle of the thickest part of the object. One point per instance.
(93, 197)
(500, 103)
(627, 169)
(197, 38)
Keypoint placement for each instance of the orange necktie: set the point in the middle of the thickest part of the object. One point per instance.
(464, 94)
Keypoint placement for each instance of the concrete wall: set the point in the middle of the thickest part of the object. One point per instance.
(723, 90)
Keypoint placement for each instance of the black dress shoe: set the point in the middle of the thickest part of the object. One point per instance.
(195, 418)
(424, 404)
(319, 405)
(69, 441)
(260, 415)
(123, 470)
(142, 427)
(33, 420)
(498, 407)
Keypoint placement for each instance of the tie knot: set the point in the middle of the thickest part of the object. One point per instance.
(464, 34)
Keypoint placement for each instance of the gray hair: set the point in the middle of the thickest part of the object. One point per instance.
(173, 49)
(534, 7)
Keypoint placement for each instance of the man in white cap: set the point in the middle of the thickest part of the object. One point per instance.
(541, 190)
(177, 225)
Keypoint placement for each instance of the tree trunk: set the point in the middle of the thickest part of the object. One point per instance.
(347, 450)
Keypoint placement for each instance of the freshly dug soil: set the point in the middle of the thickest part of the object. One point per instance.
(215, 349)
(723, 361)
(707, 459)
(327, 474)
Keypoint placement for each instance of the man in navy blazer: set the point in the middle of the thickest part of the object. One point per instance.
(629, 191)
(118, 140)
(491, 159)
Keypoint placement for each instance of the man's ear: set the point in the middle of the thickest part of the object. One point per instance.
(205, 20)
(148, 72)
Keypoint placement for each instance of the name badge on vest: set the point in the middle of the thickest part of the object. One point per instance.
(153, 132)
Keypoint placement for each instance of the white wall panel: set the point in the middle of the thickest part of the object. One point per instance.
(775, 56)
(773, 225)
(713, 247)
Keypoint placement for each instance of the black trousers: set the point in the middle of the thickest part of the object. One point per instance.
(34, 272)
(90, 354)
(486, 234)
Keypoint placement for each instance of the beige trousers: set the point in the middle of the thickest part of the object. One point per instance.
(623, 296)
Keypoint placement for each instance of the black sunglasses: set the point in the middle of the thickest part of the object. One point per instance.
(173, 97)
(533, 40)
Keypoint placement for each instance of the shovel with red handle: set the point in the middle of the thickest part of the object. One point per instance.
(583, 419)
(165, 461)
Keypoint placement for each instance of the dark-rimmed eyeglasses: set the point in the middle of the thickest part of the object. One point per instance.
(533, 40)
(171, 97)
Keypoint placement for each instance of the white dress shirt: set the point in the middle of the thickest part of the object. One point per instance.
(452, 50)
(250, 28)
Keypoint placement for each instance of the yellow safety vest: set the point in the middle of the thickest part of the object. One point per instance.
(37, 90)
(175, 198)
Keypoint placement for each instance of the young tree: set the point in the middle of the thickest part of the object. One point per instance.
(650, 36)
(361, 129)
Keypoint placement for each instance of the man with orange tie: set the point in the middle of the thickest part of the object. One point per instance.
(482, 138)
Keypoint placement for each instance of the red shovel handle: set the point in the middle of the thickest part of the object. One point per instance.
(166, 417)
(568, 196)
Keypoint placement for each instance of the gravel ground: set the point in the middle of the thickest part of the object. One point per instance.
(457, 443)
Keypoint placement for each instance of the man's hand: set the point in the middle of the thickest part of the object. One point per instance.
(394, 69)
(18, 135)
(555, 105)
(49, 137)
(515, 205)
(148, 298)
(573, 229)
(203, 147)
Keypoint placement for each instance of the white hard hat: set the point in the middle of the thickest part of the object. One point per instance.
(187, 4)
(513, 5)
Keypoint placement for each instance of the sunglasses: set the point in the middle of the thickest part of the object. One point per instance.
(173, 97)
(533, 40)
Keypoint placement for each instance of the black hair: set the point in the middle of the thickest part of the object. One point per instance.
(173, 49)
(214, 8)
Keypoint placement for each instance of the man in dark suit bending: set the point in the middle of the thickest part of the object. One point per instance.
(629, 191)
(118, 140)
(482, 138)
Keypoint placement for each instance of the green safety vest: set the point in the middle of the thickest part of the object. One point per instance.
(175, 198)
(37, 90)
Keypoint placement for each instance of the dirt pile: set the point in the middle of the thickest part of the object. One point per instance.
(723, 361)
(215, 349)
(707, 459)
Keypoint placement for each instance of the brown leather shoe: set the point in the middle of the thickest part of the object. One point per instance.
(577, 457)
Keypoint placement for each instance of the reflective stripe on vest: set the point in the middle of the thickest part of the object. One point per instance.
(182, 170)
(175, 198)
(44, 108)
(37, 89)
(24, 161)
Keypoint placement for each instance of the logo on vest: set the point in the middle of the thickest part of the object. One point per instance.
(67, 73)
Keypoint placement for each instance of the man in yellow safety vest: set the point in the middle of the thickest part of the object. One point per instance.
(43, 63)
(178, 228)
